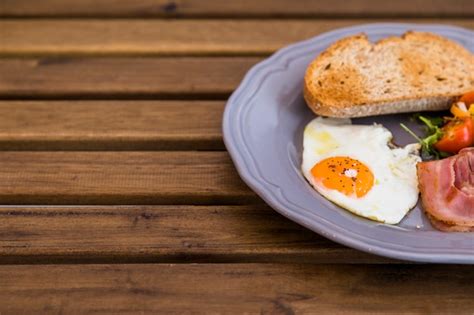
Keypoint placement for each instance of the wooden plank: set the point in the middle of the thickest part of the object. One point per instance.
(66, 77)
(166, 37)
(250, 233)
(179, 177)
(154, 37)
(237, 289)
(242, 8)
(111, 125)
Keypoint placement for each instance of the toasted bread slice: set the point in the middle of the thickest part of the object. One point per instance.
(415, 72)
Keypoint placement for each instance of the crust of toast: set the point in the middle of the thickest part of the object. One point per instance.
(415, 72)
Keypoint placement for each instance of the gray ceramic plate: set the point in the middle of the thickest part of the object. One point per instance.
(263, 131)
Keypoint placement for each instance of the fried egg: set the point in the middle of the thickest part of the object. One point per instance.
(354, 167)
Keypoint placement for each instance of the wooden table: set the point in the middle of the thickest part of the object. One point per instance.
(119, 196)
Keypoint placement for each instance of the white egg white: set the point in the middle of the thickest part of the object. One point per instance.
(395, 189)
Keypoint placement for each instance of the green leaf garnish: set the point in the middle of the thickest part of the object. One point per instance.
(433, 134)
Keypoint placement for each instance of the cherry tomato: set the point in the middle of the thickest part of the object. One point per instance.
(467, 98)
(457, 134)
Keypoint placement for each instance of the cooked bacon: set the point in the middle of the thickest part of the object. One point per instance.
(447, 191)
(445, 227)
(464, 172)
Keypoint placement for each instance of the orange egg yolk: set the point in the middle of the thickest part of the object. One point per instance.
(344, 174)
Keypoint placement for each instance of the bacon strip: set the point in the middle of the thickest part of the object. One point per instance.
(445, 227)
(447, 191)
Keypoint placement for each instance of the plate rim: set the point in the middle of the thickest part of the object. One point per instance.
(272, 194)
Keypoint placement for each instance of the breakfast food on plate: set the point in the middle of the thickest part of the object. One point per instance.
(354, 167)
(447, 185)
(415, 72)
(447, 191)
(450, 134)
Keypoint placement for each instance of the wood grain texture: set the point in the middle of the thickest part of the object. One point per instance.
(111, 125)
(166, 37)
(131, 78)
(236, 289)
(112, 234)
(181, 177)
(242, 8)
(155, 37)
